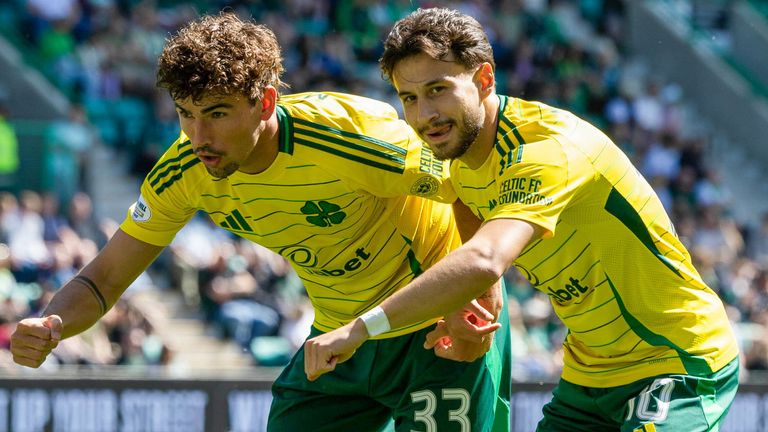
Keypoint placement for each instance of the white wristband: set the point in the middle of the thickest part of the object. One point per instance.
(375, 321)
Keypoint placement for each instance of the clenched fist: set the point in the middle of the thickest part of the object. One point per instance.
(34, 339)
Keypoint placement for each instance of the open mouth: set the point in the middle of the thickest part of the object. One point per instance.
(209, 159)
(438, 133)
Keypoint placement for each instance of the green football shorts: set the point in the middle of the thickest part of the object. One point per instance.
(397, 381)
(667, 403)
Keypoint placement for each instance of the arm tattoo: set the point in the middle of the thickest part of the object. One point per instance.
(94, 290)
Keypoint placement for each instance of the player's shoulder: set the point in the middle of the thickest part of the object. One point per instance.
(336, 108)
(523, 111)
(350, 126)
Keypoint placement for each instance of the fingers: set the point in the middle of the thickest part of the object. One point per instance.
(435, 336)
(34, 339)
(480, 311)
(54, 324)
(487, 329)
(316, 361)
(322, 353)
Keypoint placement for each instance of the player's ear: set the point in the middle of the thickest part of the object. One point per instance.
(485, 78)
(268, 102)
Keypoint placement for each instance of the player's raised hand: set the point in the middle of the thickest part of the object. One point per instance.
(472, 323)
(446, 345)
(322, 353)
(34, 339)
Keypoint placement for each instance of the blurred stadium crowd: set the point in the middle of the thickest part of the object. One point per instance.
(101, 54)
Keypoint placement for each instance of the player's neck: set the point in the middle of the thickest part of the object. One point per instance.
(266, 147)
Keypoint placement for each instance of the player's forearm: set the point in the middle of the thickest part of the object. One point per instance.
(463, 275)
(88, 296)
(77, 306)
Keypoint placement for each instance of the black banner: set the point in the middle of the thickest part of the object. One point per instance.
(107, 404)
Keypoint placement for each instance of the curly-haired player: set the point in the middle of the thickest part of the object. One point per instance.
(322, 179)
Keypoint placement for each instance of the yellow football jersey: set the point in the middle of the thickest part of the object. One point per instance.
(334, 203)
(610, 261)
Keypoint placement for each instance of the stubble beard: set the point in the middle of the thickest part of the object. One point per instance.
(467, 134)
(224, 172)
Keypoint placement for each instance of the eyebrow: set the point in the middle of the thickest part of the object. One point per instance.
(207, 109)
(427, 84)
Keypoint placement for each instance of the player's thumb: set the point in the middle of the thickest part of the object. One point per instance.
(54, 323)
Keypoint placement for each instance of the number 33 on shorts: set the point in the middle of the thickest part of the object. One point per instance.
(426, 415)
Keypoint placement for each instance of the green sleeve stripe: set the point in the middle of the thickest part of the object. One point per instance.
(693, 364)
(181, 153)
(619, 207)
(285, 139)
(173, 179)
(330, 140)
(352, 135)
(513, 128)
(499, 149)
(384, 167)
(171, 164)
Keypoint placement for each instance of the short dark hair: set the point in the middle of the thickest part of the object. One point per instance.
(436, 32)
(220, 55)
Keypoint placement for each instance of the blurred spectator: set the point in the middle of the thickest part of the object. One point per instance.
(758, 242)
(663, 157)
(53, 221)
(719, 236)
(241, 303)
(648, 108)
(82, 221)
(68, 143)
(30, 256)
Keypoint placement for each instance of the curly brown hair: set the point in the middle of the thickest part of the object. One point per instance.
(220, 55)
(436, 32)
